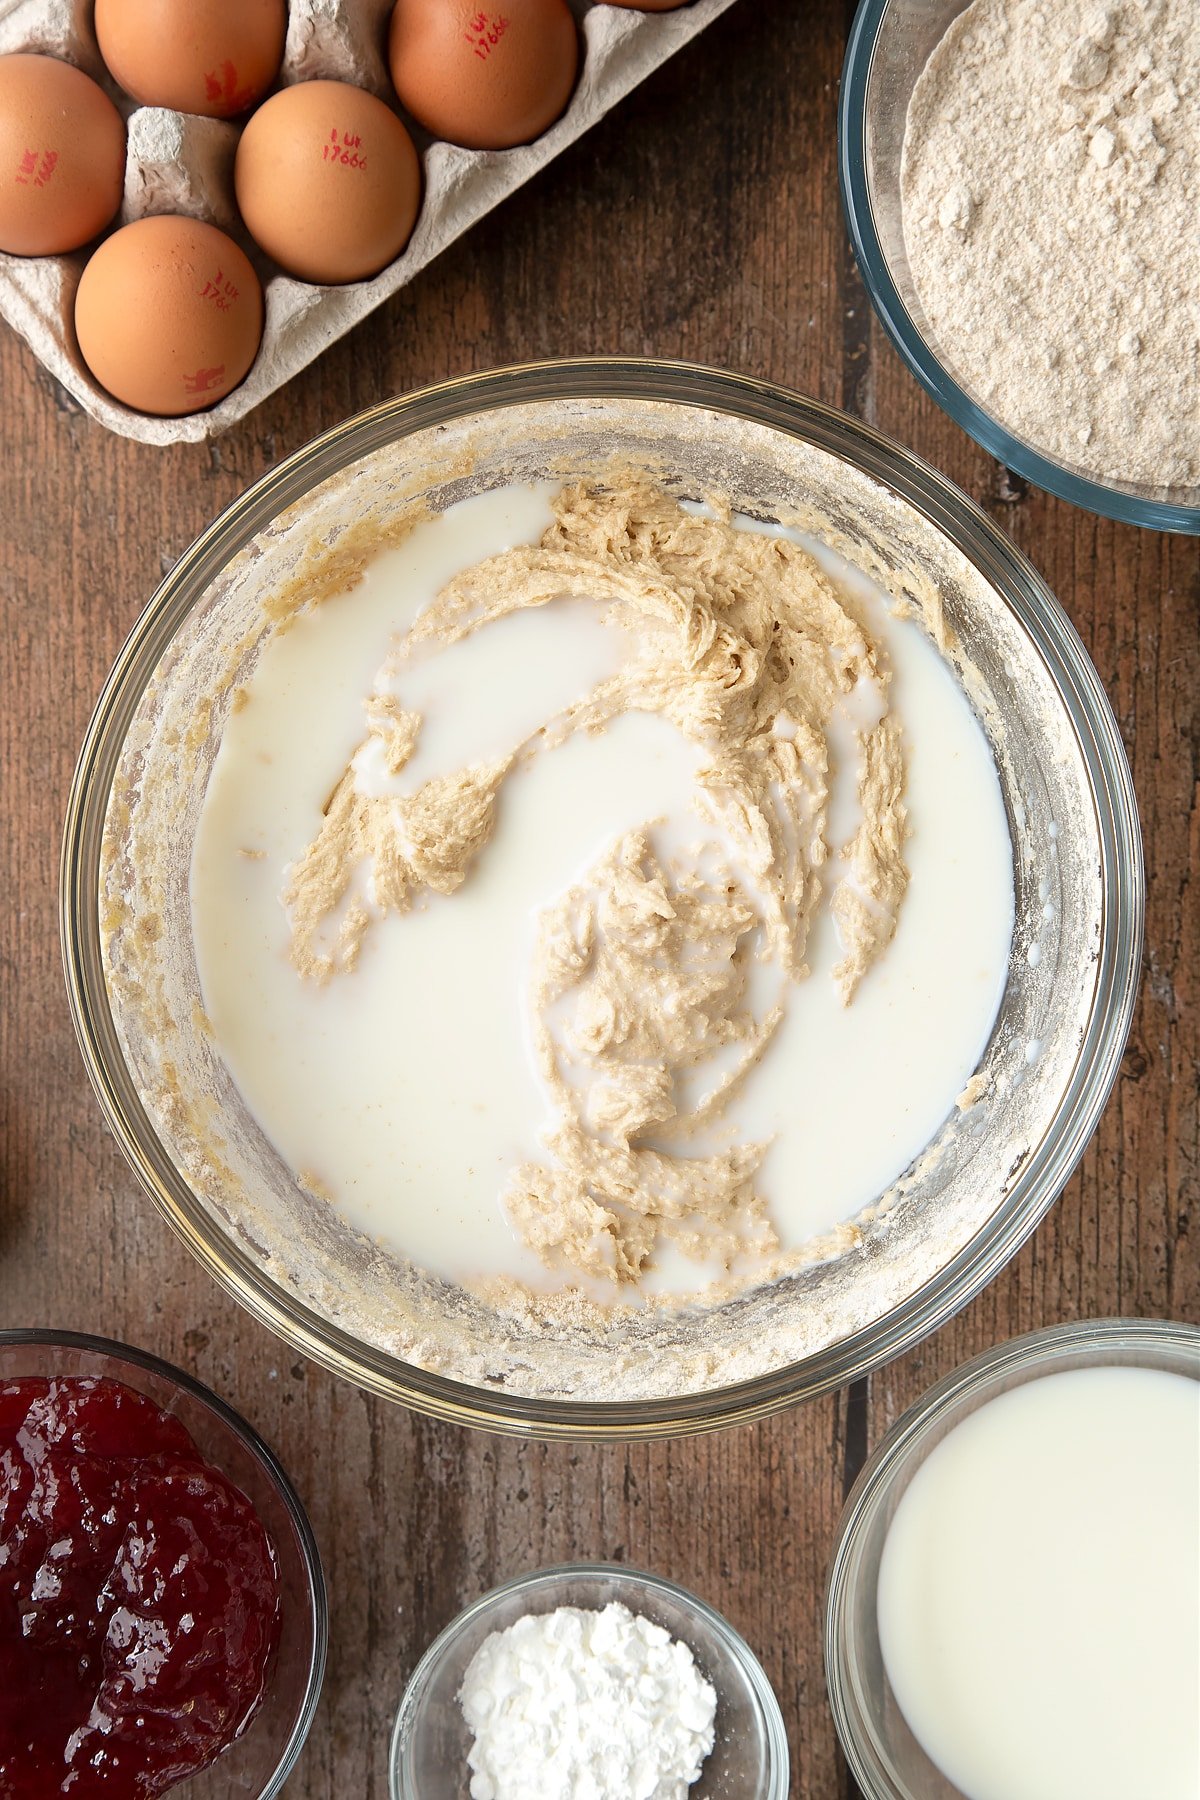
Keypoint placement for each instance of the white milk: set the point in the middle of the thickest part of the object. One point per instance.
(1039, 1593)
(407, 1089)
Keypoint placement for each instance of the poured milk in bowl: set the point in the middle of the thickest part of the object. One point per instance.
(1039, 1592)
(602, 895)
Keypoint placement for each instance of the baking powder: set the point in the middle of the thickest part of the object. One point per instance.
(578, 1705)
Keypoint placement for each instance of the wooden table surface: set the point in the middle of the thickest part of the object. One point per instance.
(700, 220)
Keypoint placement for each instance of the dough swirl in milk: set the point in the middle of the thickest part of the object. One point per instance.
(647, 992)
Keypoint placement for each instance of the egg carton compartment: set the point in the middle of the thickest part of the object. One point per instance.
(180, 163)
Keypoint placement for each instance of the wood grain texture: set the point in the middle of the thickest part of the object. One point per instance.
(700, 220)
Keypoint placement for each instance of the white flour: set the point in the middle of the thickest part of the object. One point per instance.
(576, 1705)
(1051, 189)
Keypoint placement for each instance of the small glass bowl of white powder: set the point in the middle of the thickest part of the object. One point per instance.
(539, 1665)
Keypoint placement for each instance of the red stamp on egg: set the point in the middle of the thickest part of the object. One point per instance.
(484, 32)
(221, 89)
(204, 380)
(220, 291)
(35, 171)
(344, 148)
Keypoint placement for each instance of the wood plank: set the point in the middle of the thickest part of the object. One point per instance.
(700, 220)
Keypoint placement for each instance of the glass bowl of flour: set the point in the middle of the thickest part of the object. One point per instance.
(1019, 188)
(601, 899)
(590, 1677)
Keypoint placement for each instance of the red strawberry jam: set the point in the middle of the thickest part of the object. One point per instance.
(139, 1599)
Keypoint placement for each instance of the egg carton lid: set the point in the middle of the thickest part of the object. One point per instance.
(177, 162)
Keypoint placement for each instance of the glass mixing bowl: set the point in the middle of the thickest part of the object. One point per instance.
(748, 1761)
(257, 1764)
(890, 43)
(945, 1227)
(886, 1760)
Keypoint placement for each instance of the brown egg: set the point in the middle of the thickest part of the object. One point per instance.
(169, 315)
(215, 57)
(328, 181)
(486, 77)
(62, 156)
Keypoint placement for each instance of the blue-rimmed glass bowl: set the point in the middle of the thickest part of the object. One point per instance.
(890, 43)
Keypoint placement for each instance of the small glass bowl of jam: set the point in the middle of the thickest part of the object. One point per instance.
(163, 1619)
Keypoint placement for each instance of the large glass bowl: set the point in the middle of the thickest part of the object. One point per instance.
(258, 1764)
(748, 1761)
(890, 43)
(886, 1760)
(947, 1225)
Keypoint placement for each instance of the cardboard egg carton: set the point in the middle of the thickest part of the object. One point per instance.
(180, 163)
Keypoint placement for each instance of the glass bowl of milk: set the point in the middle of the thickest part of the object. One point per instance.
(1013, 1609)
(337, 1152)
